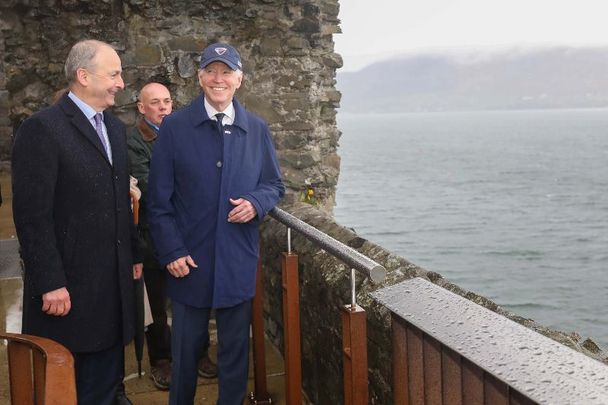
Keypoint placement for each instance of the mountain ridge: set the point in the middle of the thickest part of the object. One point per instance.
(552, 77)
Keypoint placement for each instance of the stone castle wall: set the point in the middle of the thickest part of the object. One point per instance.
(286, 47)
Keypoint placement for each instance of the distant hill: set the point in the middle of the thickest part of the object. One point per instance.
(516, 79)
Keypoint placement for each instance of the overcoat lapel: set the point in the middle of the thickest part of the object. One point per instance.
(82, 124)
(113, 135)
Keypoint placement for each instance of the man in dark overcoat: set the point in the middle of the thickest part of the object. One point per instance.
(72, 213)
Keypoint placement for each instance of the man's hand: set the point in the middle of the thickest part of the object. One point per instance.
(56, 302)
(138, 269)
(243, 211)
(179, 267)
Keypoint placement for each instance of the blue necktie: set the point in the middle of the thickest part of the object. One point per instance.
(220, 126)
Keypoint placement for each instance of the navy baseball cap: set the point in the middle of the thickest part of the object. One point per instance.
(223, 53)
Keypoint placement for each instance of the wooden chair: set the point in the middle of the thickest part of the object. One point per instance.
(41, 371)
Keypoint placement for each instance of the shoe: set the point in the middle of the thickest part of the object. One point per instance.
(207, 368)
(121, 396)
(161, 374)
(121, 399)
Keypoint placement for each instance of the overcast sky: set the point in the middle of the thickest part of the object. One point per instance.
(376, 29)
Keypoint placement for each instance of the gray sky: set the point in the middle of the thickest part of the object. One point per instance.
(376, 29)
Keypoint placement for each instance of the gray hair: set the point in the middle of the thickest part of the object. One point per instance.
(81, 56)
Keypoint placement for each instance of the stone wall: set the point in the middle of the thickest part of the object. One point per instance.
(286, 47)
(325, 288)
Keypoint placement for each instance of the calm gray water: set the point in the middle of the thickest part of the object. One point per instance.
(511, 205)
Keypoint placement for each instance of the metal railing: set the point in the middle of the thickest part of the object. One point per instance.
(354, 325)
(445, 348)
(348, 255)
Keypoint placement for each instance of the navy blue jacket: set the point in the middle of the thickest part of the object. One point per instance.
(194, 172)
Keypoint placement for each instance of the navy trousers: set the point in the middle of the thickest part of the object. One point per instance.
(97, 375)
(190, 331)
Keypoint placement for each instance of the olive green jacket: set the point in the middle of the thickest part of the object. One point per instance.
(140, 141)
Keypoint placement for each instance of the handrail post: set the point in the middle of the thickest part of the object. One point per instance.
(354, 347)
(353, 292)
(291, 327)
(354, 330)
(260, 394)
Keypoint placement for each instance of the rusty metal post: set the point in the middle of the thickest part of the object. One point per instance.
(291, 328)
(260, 394)
(354, 346)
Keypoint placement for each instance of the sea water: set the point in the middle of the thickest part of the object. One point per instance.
(512, 205)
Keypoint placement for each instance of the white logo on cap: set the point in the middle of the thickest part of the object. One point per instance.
(220, 51)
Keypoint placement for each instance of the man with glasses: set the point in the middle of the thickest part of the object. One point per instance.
(72, 212)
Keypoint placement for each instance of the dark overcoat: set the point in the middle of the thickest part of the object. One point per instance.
(73, 218)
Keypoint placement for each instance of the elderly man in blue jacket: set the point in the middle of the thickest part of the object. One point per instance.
(213, 177)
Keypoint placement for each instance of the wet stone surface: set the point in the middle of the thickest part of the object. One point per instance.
(540, 368)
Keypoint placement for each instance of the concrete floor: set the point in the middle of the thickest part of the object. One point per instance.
(139, 389)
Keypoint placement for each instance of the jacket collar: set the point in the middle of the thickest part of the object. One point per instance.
(198, 113)
(83, 125)
(147, 133)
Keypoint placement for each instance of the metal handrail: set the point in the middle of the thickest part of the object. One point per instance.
(348, 255)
